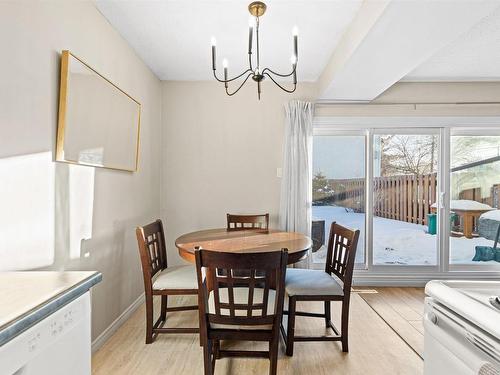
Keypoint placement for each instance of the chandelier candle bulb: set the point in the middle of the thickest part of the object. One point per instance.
(295, 33)
(214, 43)
(224, 64)
(250, 35)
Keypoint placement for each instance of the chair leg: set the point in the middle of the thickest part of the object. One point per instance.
(345, 326)
(207, 358)
(291, 326)
(217, 349)
(149, 318)
(273, 355)
(328, 314)
(164, 303)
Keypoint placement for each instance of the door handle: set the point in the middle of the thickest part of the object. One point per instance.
(441, 199)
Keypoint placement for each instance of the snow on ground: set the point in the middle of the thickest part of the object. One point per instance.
(394, 241)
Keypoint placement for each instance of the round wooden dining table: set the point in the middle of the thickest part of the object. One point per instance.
(244, 241)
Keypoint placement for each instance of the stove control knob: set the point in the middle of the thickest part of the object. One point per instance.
(431, 317)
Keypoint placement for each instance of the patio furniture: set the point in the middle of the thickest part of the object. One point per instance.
(488, 223)
(487, 253)
(161, 280)
(467, 218)
(333, 284)
(318, 234)
(468, 211)
(240, 308)
(242, 222)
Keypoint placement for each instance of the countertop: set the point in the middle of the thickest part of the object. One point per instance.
(28, 297)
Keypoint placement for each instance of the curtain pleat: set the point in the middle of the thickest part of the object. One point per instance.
(296, 192)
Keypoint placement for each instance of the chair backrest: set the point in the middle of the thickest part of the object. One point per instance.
(225, 298)
(152, 249)
(243, 222)
(341, 253)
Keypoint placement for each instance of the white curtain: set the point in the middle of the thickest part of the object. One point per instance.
(296, 194)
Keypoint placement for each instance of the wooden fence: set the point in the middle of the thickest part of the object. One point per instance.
(405, 198)
(475, 194)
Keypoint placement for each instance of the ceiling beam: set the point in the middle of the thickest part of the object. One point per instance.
(388, 39)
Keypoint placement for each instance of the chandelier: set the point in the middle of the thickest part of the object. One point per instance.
(256, 9)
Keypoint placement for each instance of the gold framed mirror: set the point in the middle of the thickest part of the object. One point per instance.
(98, 123)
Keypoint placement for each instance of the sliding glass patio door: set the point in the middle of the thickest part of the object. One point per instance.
(384, 183)
(426, 200)
(338, 184)
(474, 199)
(404, 188)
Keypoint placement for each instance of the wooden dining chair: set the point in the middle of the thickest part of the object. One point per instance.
(245, 222)
(240, 308)
(332, 284)
(161, 280)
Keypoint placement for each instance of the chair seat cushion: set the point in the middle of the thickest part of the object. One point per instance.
(177, 277)
(241, 297)
(304, 282)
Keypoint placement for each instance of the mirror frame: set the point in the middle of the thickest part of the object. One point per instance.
(61, 123)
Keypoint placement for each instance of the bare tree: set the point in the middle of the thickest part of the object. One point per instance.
(407, 154)
(468, 149)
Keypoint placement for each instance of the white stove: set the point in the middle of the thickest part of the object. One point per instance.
(462, 328)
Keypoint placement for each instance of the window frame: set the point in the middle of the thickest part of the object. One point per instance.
(445, 128)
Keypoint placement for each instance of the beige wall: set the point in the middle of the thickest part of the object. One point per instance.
(220, 153)
(32, 34)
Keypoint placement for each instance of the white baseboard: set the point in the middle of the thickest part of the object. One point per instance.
(117, 323)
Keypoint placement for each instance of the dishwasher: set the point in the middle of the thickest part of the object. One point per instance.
(57, 345)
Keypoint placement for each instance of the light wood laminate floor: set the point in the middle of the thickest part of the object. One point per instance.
(402, 309)
(374, 349)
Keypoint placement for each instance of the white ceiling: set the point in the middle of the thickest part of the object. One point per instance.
(173, 36)
(405, 35)
(474, 56)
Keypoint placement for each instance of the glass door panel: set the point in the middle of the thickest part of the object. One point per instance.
(338, 189)
(404, 196)
(474, 200)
